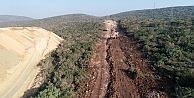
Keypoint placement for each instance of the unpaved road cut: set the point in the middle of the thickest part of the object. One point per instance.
(98, 66)
(21, 48)
(118, 69)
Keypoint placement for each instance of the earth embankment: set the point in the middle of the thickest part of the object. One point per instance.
(21, 48)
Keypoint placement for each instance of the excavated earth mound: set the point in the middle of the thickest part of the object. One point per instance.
(21, 48)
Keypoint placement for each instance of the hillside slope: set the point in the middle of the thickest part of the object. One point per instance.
(53, 22)
(20, 51)
(11, 18)
(169, 12)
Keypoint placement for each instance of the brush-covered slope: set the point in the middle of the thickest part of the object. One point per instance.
(53, 22)
(169, 12)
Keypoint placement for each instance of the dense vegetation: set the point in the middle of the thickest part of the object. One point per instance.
(63, 70)
(53, 22)
(162, 13)
(169, 45)
(165, 13)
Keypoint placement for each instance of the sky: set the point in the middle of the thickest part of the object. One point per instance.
(39, 9)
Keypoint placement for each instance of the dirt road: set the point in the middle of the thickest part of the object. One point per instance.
(22, 77)
(121, 85)
(99, 66)
(118, 70)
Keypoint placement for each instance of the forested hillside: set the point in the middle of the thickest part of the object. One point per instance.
(53, 22)
(165, 13)
(11, 18)
(162, 13)
(169, 45)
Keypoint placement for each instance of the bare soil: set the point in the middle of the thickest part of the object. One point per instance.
(98, 67)
(21, 50)
(118, 70)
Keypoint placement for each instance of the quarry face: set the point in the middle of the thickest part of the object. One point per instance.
(21, 48)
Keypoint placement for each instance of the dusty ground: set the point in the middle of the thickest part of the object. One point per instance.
(131, 77)
(118, 70)
(98, 66)
(21, 49)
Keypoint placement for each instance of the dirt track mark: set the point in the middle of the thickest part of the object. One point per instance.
(120, 86)
(98, 66)
(100, 69)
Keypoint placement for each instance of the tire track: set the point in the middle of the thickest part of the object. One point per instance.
(120, 86)
(98, 66)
